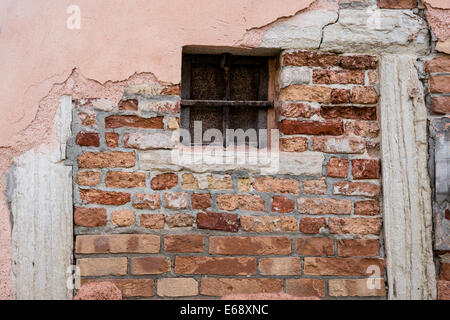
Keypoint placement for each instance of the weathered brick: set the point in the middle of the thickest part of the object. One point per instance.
(119, 179)
(132, 288)
(88, 139)
(364, 95)
(128, 105)
(268, 224)
(337, 168)
(277, 185)
(312, 225)
(439, 64)
(164, 181)
(348, 112)
(358, 247)
(122, 218)
(114, 122)
(214, 265)
(338, 77)
(244, 185)
(354, 225)
(282, 204)
(111, 159)
(149, 140)
(373, 77)
(439, 84)
(218, 221)
(189, 182)
(328, 127)
(146, 201)
(397, 4)
(152, 221)
(440, 105)
(112, 139)
(164, 106)
(367, 208)
(340, 266)
(305, 287)
(179, 220)
(295, 110)
(219, 182)
(90, 217)
(296, 144)
(306, 93)
(280, 266)
(445, 271)
(310, 59)
(102, 266)
(176, 200)
(338, 144)
(315, 246)
(201, 200)
(315, 186)
(247, 202)
(443, 290)
(104, 197)
(226, 286)
(249, 245)
(117, 243)
(87, 118)
(173, 123)
(323, 206)
(358, 62)
(356, 188)
(186, 243)
(365, 169)
(356, 287)
(339, 96)
(88, 178)
(177, 287)
(150, 265)
(366, 129)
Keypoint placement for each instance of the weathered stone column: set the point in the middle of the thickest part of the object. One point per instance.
(406, 183)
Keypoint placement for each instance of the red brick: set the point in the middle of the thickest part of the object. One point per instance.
(358, 62)
(356, 288)
(119, 179)
(440, 105)
(445, 271)
(338, 144)
(397, 4)
(176, 200)
(112, 159)
(218, 221)
(318, 186)
(215, 265)
(103, 266)
(315, 246)
(247, 202)
(358, 247)
(150, 265)
(117, 243)
(328, 127)
(186, 243)
(201, 200)
(179, 220)
(295, 110)
(173, 89)
(282, 204)
(340, 266)
(227, 286)
(104, 197)
(367, 208)
(128, 105)
(364, 95)
(312, 225)
(113, 122)
(88, 139)
(306, 93)
(443, 288)
(277, 185)
(337, 168)
(349, 112)
(439, 64)
(296, 144)
(132, 288)
(177, 287)
(122, 218)
(354, 225)
(88, 178)
(146, 201)
(250, 245)
(280, 266)
(87, 119)
(310, 59)
(164, 181)
(323, 206)
(268, 224)
(339, 96)
(365, 169)
(112, 139)
(90, 217)
(152, 221)
(366, 129)
(440, 84)
(338, 77)
(305, 287)
(356, 189)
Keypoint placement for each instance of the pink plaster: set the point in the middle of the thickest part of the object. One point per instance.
(119, 43)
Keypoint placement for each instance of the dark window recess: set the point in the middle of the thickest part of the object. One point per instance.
(225, 92)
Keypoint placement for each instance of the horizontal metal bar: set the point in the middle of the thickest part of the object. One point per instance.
(226, 103)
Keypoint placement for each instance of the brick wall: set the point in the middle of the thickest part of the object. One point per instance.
(176, 233)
